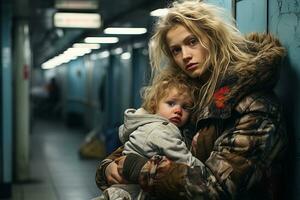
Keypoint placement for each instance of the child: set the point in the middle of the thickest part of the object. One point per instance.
(154, 129)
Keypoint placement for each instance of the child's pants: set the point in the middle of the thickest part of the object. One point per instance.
(123, 192)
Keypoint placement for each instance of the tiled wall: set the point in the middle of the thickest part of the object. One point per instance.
(284, 21)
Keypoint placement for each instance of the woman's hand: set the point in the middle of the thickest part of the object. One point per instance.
(112, 174)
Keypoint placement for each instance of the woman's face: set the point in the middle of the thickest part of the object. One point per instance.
(187, 51)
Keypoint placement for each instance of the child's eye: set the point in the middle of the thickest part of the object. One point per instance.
(171, 103)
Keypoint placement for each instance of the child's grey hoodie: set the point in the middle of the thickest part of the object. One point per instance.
(149, 134)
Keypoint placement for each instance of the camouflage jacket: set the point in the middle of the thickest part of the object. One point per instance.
(241, 139)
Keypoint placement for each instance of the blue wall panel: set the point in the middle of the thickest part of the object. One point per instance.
(99, 92)
(113, 88)
(125, 85)
(6, 99)
(76, 94)
(226, 4)
(141, 73)
(284, 22)
(251, 15)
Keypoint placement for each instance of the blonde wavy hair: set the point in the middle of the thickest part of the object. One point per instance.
(161, 85)
(225, 44)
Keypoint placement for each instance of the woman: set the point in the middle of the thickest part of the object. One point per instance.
(240, 132)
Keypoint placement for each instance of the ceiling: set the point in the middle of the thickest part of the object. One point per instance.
(47, 41)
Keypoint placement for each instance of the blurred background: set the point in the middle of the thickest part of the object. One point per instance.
(69, 69)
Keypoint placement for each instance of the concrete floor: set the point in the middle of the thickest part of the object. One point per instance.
(56, 170)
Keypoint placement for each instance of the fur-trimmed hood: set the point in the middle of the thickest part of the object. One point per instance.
(261, 72)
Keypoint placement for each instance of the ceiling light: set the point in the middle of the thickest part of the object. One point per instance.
(77, 20)
(57, 61)
(103, 54)
(48, 65)
(86, 45)
(125, 31)
(117, 51)
(76, 5)
(103, 40)
(77, 51)
(125, 55)
(159, 12)
(60, 32)
(94, 57)
(138, 45)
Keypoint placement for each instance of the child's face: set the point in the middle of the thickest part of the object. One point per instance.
(175, 106)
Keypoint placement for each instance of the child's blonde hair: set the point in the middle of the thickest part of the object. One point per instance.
(161, 85)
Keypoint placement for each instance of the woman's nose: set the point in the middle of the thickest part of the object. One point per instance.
(186, 54)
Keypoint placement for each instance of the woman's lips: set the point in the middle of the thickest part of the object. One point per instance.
(191, 66)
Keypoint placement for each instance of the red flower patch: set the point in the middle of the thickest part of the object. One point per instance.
(219, 97)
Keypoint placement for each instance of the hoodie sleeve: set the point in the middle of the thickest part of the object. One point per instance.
(130, 124)
(168, 142)
(122, 137)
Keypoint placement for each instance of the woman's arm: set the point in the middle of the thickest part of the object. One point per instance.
(239, 160)
(106, 172)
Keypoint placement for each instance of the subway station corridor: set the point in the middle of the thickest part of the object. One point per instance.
(56, 170)
(66, 63)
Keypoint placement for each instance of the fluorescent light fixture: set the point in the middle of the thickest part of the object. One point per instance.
(117, 51)
(103, 54)
(77, 20)
(137, 45)
(145, 52)
(59, 32)
(77, 51)
(78, 4)
(103, 40)
(86, 45)
(125, 31)
(67, 56)
(54, 62)
(159, 12)
(125, 55)
(94, 57)
(48, 65)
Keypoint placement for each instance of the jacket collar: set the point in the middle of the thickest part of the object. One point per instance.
(261, 72)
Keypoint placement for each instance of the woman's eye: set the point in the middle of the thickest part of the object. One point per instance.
(193, 41)
(175, 50)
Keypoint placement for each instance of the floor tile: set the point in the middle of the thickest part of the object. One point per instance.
(56, 170)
